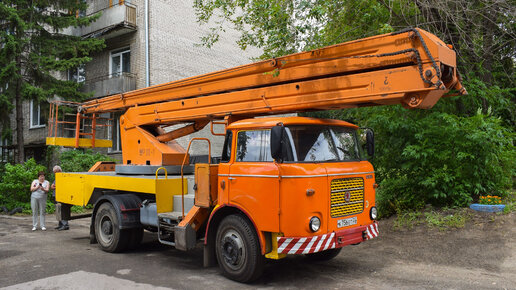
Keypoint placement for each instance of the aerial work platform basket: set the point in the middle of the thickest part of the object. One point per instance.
(72, 129)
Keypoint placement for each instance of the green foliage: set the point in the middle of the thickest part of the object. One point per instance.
(80, 161)
(34, 54)
(31, 42)
(16, 180)
(15, 183)
(435, 157)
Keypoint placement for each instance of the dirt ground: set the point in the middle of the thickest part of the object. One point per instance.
(482, 255)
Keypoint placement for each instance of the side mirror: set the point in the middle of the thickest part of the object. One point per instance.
(370, 142)
(277, 133)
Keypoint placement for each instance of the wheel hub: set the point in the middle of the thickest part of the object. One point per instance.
(107, 228)
(230, 250)
(233, 250)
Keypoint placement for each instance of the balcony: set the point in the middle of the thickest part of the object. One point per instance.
(114, 21)
(110, 85)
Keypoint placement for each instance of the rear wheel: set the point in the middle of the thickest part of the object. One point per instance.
(107, 230)
(324, 255)
(238, 249)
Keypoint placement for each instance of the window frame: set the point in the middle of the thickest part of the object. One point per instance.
(353, 132)
(118, 52)
(227, 147)
(31, 108)
(236, 145)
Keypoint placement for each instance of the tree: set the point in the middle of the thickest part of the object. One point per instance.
(449, 155)
(33, 51)
(482, 31)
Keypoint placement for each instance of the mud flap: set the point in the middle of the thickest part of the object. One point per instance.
(209, 258)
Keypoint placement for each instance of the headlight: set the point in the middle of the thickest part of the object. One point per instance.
(315, 224)
(373, 213)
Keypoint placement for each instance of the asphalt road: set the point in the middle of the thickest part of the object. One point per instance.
(480, 256)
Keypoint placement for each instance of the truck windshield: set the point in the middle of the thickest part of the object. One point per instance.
(321, 144)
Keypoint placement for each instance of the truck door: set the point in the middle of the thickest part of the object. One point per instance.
(254, 179)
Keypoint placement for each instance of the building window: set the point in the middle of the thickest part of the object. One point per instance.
(77, 74)
(114, 132)
(38, 114)
(120, 62)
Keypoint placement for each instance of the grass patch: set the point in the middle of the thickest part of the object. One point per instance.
(510, 203)
(408, 220)
(443, 219)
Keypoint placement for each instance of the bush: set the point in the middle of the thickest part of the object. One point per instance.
(444, 160)
(16, 180)
(80, 161)
(15, 183)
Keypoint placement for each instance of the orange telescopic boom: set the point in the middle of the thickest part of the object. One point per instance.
(411, 67)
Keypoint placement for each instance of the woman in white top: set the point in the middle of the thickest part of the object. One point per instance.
(38, 200)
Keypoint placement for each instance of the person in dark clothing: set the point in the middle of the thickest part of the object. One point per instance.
(62, 224)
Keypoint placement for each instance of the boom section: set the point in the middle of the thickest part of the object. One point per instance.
(412, 67)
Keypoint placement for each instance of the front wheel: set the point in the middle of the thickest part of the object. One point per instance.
(238, 249)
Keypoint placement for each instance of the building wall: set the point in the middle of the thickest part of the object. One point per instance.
(175, 54)
(174, 36)
(32, 135)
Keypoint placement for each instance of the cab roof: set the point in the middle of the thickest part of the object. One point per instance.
(269, 122)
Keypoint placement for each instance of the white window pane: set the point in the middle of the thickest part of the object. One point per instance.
(126, 61)
(116, 67)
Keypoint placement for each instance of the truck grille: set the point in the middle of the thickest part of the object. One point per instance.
(339, 188)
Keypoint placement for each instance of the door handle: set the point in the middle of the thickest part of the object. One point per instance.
(232, 178)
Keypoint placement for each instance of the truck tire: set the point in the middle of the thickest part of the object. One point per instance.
(324, 255)
(107, 231)
(238, 249)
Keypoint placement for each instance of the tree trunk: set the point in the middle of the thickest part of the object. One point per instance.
(20, 156)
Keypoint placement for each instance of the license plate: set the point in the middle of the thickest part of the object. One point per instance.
(347, 222)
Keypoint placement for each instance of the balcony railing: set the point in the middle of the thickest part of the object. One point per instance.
(114, 21)
(110, 84)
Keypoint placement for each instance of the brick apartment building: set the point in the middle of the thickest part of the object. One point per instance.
(173, 53)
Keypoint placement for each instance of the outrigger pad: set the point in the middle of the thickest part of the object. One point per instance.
(185, 238)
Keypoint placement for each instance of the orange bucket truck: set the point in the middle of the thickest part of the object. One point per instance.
(281, 185)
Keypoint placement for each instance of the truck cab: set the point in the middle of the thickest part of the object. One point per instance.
(304, 184)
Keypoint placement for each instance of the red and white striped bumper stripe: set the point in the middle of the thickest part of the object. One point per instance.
(308, 245)
(372, 231)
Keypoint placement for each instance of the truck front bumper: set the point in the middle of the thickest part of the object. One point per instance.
(337, 239)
